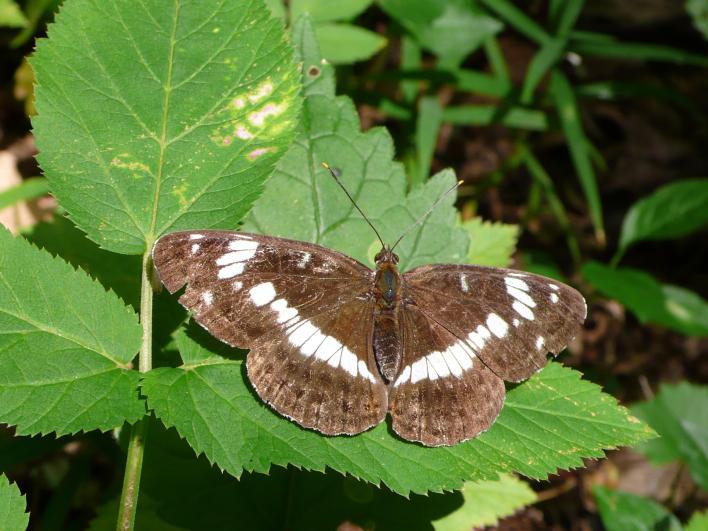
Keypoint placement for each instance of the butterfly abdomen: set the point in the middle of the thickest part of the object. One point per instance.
(387, 329)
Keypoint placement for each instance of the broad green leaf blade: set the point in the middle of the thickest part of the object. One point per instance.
(326, 10)
(673, 210)
(578, 143)
(13, 507)
(451, 30)
(345, 43)
(671, 306)
(186, 139)
(65, 346)
(486, 502)
(120, 273)
(491, 244)
(550, 422)
(679, 414)
(11, 15)
(622, 511)
(28, 189)
(315, 208)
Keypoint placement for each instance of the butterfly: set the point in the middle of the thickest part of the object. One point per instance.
(336, 346)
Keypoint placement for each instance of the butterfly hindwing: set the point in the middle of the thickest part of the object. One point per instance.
(443, 394)
(290, 302)
(317, 373)
(510, 319)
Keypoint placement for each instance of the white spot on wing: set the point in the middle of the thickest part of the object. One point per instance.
(280, 306)
(476, 339)
(348, 362)
(554, 298)
(231, 270)
(452, 362)
(419, 370)
(438, 362)
(235, 256)
(327, 348)
(540, 340)
(196, 236)
(523, 310)
(243, 244)
(262, 293)
(516, 283)
(516, 322)
(497, 325)
(334, 360)
(521, 296)
(463, 283)
(403, 378)
(195, 248)
(304, 259)
(237, 285)
(364, 371)
(208, 298)
(553, 287)
(483, 332)
(462, 354)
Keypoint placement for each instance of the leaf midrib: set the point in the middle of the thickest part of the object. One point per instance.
(150, 236)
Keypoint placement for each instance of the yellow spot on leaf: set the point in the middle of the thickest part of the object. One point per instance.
(125, 161)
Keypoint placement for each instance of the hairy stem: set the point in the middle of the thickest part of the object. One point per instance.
(136, 447)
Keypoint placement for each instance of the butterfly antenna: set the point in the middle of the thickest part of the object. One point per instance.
(335, 176)
(427, 213)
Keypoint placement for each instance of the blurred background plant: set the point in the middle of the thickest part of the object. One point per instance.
(580, 129)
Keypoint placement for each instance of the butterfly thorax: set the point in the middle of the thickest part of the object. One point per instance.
(387, 329)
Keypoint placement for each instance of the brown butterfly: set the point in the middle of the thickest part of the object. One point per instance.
(335, 346)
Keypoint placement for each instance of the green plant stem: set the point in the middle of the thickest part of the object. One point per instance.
(136, 447)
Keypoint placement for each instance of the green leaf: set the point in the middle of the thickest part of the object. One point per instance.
(486, 502)
(316, 210)
(698, 522)
(698, 9)
(671, 306)
(518, 19)
(187, 139)
(547, 56)
(621, 511)
(65, 346)
(531, 119)
(28, 189)
(672, 211)
(451, 30)
(607, 46)
(11, 15)
(326, 10)
(551, 421)
(578, 143)
(679, 414)
(345, 43)
(13, 506)
(120, 273)
(491, 244)
(427, 128)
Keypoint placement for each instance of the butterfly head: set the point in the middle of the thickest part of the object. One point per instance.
(386, 256)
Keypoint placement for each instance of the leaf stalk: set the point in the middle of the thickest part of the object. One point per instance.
(136, 447)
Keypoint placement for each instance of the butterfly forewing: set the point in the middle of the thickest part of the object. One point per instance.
(443, 394)
(509, 319)
(301, 309)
